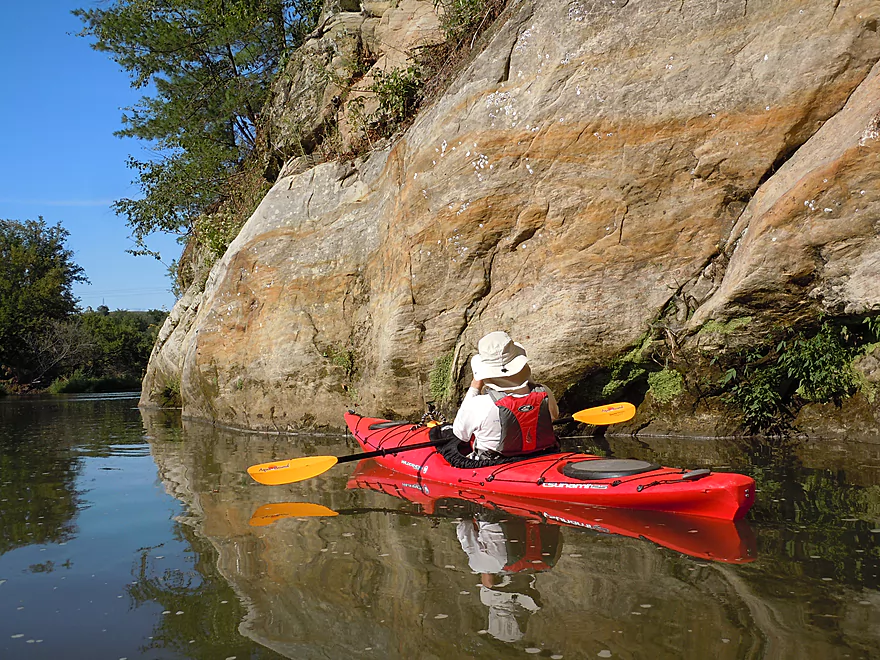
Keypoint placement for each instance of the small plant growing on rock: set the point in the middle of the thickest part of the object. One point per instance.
(397, 92)
(440, 378)
(665, 385)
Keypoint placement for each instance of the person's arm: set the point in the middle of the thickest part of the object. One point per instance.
(467, 419)
(552, 405)
(477, 386)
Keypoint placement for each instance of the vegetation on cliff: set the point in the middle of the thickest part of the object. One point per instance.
(210, 65)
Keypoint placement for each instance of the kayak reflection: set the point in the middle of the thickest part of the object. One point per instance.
(705, 538)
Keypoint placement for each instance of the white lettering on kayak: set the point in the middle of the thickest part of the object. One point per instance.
(577, 523)
(557, 484)
(417, 468)
(423, 489)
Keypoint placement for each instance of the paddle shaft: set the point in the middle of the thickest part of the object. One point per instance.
(391, 450)
(420, 445)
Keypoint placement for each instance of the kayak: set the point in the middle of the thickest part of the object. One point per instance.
(704, 538)
(561, 476)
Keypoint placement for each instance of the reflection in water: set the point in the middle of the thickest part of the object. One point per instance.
(507, 553)
(37, 475)
(388, 577)
(96, 559)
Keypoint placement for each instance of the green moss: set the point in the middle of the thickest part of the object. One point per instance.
(665, 385)
(342, 357)
(627, 369)
(726, 328)
(440, 377)
(866, 387)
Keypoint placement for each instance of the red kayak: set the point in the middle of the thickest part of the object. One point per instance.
(704, 538)
(563, 476)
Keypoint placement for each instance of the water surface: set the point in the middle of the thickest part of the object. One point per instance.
(130, 534)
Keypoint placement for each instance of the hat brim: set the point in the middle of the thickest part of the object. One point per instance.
(483, 371)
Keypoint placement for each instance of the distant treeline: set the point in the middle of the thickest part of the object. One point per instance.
(46, 341)
(91, 351)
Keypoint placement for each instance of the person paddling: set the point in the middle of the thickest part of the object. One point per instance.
(515, 416)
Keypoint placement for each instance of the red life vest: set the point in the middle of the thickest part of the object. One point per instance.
(526, 425)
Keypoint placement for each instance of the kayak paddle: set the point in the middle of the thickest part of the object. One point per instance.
(298, 469)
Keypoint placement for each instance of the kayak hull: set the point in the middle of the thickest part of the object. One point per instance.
(726, 496)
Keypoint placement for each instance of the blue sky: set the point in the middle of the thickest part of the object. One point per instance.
(62, 101)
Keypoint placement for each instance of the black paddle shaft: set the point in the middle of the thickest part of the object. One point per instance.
(421, 445)
(391, 450)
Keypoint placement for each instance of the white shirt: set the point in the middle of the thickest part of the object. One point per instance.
(478, 418)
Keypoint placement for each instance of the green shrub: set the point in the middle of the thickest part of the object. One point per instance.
(758, 397)
(770, 382)
(79, 382)
(397, 92)
(821, 364)
(169, 396)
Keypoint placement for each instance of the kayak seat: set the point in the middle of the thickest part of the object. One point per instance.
(606, 468)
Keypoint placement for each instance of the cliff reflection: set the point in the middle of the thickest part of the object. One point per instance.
(388, 576)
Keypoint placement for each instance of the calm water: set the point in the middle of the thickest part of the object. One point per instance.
(132, 535)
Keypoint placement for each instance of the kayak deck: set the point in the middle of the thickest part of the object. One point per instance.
(726, 496)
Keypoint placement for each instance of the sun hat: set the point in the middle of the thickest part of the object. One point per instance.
(501, 361)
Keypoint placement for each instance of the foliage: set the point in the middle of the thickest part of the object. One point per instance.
(344, 358)
(397, 92)
(821, 364)
(463, 20)
(440, 378)
(802, 367)
(757, 395)
(210, 63)
(170, 394)
(665, 384)
(37, 274)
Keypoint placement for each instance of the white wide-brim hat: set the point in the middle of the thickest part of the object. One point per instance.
(500, 359)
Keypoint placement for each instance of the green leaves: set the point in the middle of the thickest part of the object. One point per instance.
(821, 364)
(37, 274)
(210, 64)
(802, 367)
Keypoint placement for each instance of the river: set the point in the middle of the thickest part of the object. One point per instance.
(134, 534)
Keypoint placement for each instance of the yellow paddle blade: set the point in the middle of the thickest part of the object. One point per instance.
(611, 413)
(269, 513)
(291, 470)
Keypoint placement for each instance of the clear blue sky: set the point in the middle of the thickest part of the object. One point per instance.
(61, 103)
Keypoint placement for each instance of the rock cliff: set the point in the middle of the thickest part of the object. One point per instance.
(602, 174)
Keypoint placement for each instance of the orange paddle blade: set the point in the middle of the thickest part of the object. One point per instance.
(291, 470)
(611, 413)
(269, 513)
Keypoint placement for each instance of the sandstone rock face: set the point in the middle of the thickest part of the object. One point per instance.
(601, 165)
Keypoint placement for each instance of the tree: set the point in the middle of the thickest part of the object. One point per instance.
(37, 274)
(210, 63)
